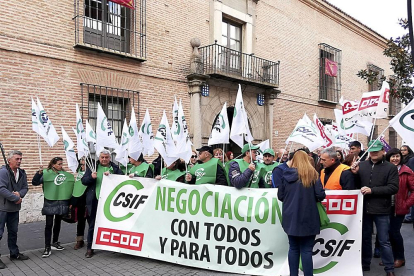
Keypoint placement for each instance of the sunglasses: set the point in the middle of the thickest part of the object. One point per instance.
(193, 156)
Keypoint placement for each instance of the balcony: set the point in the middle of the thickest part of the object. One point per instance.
(222, 62)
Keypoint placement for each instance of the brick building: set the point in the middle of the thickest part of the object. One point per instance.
(90, 51)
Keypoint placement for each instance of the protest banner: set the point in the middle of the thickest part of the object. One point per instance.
(220, 228)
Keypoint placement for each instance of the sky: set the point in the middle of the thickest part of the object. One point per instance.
(380, 15)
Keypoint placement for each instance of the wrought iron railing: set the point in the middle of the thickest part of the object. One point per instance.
(329, 81)
(109, 27)
(220, 60)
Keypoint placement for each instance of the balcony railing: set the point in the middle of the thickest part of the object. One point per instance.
(228, 63)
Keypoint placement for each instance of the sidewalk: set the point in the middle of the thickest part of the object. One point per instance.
(73, 262)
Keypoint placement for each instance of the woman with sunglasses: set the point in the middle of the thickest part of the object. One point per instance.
(193, 159)
(57, 189)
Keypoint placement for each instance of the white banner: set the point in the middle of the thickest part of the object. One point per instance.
(219, 228)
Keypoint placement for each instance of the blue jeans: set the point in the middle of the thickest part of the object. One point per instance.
(11, 219)
(382, 222)
(301, 247)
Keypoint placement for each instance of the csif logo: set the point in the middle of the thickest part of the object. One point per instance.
(123, 200)
(59, 179)
(199, 173)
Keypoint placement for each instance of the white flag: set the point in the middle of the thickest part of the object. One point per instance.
(81, 143)
(368, 105)
(184, 144)
(240, 125)
(105, 136)
(147, 135)
(51, 136)
(403, 123)
(164, 142)
(305, 134)
(35, 120)
(322, 132)
(90, 134)
(122, 149)
(353, 125)
(383, 101)
(135, 144)
(176, 128)
(70, 152)
(221, 129)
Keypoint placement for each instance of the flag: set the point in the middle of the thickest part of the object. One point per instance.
(147, 135)
(50, 134)
(322, 133)
(383, 101)
(183, 144)
(240, 128)
(90, 134)
(305, 134)
(70, 152)
(81, 143)
(176, 123)
(403, 123)
(331, 68)
(368, 105)
(105, 136)
(126, 3)
(135, 144)
(164, 143)
(353, 125)
(122, 149)
(384, 143)
(221, 130)
(35, 120)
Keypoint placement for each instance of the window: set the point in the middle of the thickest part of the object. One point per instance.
(393, 138)
(231, 52)
(110, 27)
(116, 103)
(394, 106)
(377, 82)
(329, 73)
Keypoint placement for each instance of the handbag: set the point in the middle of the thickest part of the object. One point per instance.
(71, 216)
(323, 217)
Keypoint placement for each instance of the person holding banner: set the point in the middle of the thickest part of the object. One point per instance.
(245, 172)
(57, 189)
(174, 172)
(379, 181)
(267, 166)
(78, 202)
(403, 200)
(140, 168)
(13, 188)
(335, 176)
(208, 170)
(299, 191)
(93, 181)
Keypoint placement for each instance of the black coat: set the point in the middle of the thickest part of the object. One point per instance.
(90, 182)
(382, 178)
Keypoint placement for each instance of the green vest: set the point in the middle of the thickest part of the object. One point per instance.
(127, 168)
(266, 173)
(99, 178)
(205, 172)
(57, 186)
(141, 170)
(171, 174)
(255, 178)
(79, 188)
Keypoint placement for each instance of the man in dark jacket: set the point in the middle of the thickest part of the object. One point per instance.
(355, 149)
(93, 180)
(13, 188)
(335, 176)
(379, 181)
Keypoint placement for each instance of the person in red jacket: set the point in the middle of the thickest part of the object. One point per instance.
(402, 203)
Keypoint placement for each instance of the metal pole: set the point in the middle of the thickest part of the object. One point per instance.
(410, 28)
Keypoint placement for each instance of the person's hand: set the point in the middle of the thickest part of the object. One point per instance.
(17, 193)
(94, 175)
(19, 201)
(188, 177)
(158, 177)
(106, 173)
(131, 175)
(366, 191)
(252, 167)
(41, 170)
(355, 165)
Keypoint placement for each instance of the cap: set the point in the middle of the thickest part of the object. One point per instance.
(269, 151)
(376, 145)
(206, 148)
(251, 147)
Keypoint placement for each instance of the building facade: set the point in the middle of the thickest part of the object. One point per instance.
(89, 51)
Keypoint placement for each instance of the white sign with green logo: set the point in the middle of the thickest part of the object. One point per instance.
(208, 226)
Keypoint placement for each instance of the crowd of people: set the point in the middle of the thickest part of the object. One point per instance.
(386, 179)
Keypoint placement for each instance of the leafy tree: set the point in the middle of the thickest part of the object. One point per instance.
(401, 82)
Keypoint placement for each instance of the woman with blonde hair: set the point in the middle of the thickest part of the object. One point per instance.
(218, 153)
(299, 191)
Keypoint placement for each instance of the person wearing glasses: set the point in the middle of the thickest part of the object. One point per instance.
(193, 159)
(57, 188)
(208, 170)
(218, 153)
(245, 172)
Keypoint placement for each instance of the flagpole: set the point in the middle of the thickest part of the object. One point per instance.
(161, 166)
(223, 154)
(372, 129)
(40, 150)
(373, 143)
